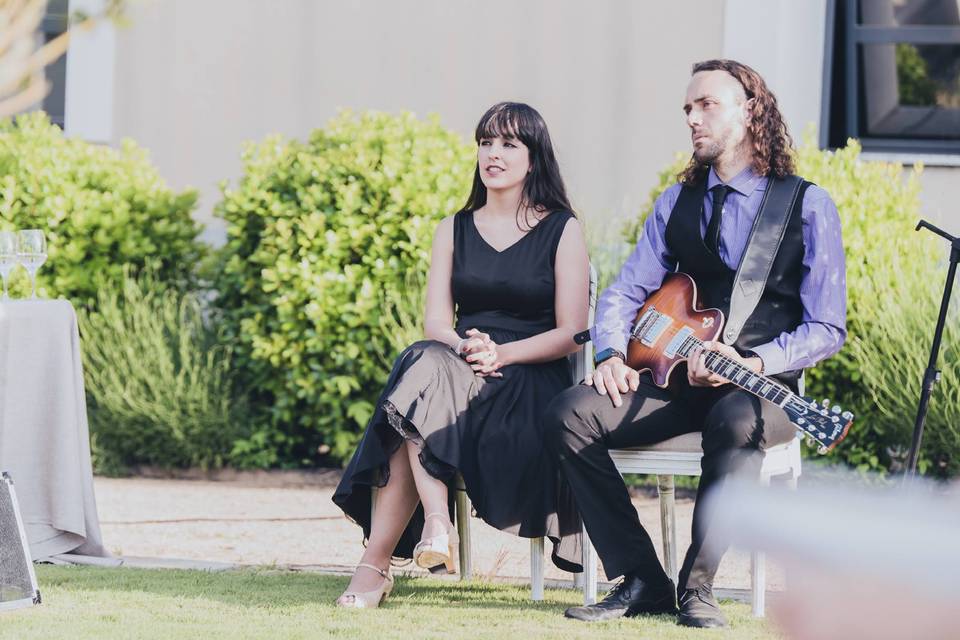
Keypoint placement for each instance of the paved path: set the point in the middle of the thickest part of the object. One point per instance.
(288, 519)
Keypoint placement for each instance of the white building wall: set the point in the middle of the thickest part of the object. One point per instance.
(194, 79)
(191, 80)
(784, 41)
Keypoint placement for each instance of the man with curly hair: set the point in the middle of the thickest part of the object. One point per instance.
(703, 226)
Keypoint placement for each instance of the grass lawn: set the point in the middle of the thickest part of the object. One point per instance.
(96, 603)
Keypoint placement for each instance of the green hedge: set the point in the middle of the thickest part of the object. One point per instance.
(102, 209)
(320, 234)
(158, 379)
(888, 266)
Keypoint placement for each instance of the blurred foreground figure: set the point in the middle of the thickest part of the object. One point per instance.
(862, 562)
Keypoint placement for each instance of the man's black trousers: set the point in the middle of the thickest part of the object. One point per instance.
(584, 426)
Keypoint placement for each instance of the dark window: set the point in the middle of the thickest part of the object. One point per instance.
(893, 75)
(54, 24)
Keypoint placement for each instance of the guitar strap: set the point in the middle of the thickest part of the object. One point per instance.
(765, 238)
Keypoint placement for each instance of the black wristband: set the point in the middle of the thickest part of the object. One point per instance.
(606, 354)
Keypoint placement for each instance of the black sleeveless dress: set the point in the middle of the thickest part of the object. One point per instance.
(488, 429)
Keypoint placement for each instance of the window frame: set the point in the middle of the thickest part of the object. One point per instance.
(855, 35)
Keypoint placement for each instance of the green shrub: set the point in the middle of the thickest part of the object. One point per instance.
(401, 322)
(913, 77)
(100, 208)
(878, 209)
(158, 380)
(319, 234)
(899, 334)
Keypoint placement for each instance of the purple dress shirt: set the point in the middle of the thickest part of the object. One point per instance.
(823, 288)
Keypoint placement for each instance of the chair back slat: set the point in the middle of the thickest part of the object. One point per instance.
(581, 361)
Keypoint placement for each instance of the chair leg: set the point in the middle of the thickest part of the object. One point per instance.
(589, 570)
(578, 581)
(758, 575)
(463, 529)
(668, 525)
(793, 479)
(758, 586)
(536, 569)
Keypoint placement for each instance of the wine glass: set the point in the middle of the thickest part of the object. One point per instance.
(32, 254)
(8, 257)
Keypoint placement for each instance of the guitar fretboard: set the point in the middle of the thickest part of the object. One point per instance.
(738, 374)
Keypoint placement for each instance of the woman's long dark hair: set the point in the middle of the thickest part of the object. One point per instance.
(543, 188)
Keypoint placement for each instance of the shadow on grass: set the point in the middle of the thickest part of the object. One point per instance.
(272, 589)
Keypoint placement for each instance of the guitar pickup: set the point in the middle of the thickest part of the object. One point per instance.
(676, 343)
(650, 336)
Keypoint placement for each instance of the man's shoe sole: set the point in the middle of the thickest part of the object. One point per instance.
(701, 623)
(610, 617)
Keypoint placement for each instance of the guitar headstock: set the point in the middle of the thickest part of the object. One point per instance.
(822, 423)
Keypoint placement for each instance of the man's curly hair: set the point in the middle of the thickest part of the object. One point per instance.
(771, 143)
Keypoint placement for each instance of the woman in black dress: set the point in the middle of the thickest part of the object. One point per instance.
(512, 269)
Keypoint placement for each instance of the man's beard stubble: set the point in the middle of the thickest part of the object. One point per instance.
(708, 154)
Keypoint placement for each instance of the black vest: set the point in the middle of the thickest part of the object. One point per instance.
(780, 307)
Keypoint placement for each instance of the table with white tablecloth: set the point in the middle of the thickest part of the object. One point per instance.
(44, 437)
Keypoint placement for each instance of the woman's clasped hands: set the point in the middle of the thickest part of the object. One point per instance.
(480, 352)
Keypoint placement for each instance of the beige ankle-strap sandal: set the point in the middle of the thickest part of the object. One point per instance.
(437, 550)
(368, 599)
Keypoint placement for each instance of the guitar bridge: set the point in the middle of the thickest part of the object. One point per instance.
(651, 326)
(643, 322)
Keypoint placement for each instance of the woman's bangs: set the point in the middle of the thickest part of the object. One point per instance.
(497, 124)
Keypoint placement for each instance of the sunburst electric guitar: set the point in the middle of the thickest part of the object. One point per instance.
(669, 326)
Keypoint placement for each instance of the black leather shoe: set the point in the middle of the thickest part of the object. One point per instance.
(698, 608)
(630, 597)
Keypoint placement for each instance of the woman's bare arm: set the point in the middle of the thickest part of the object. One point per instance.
(438, 315)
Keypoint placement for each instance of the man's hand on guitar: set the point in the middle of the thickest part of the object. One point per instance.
(698, 375)
(612, 377)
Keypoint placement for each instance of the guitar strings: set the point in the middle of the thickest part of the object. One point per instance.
(780, 393)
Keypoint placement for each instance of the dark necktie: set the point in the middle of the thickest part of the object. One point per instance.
(712, 239)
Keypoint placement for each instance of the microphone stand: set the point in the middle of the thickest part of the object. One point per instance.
(932, 375)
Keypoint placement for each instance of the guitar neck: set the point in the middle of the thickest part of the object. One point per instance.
(731, 370)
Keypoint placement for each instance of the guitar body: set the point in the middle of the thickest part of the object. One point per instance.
(676, 300)
(669, 327)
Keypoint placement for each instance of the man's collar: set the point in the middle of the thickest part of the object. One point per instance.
(744, 182)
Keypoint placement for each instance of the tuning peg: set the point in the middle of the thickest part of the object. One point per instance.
(811, 442)
(836, 409)
(835, 419)
(826, 403)
(821, 450)
(813, 404)
(801, 422)
(846, 415)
